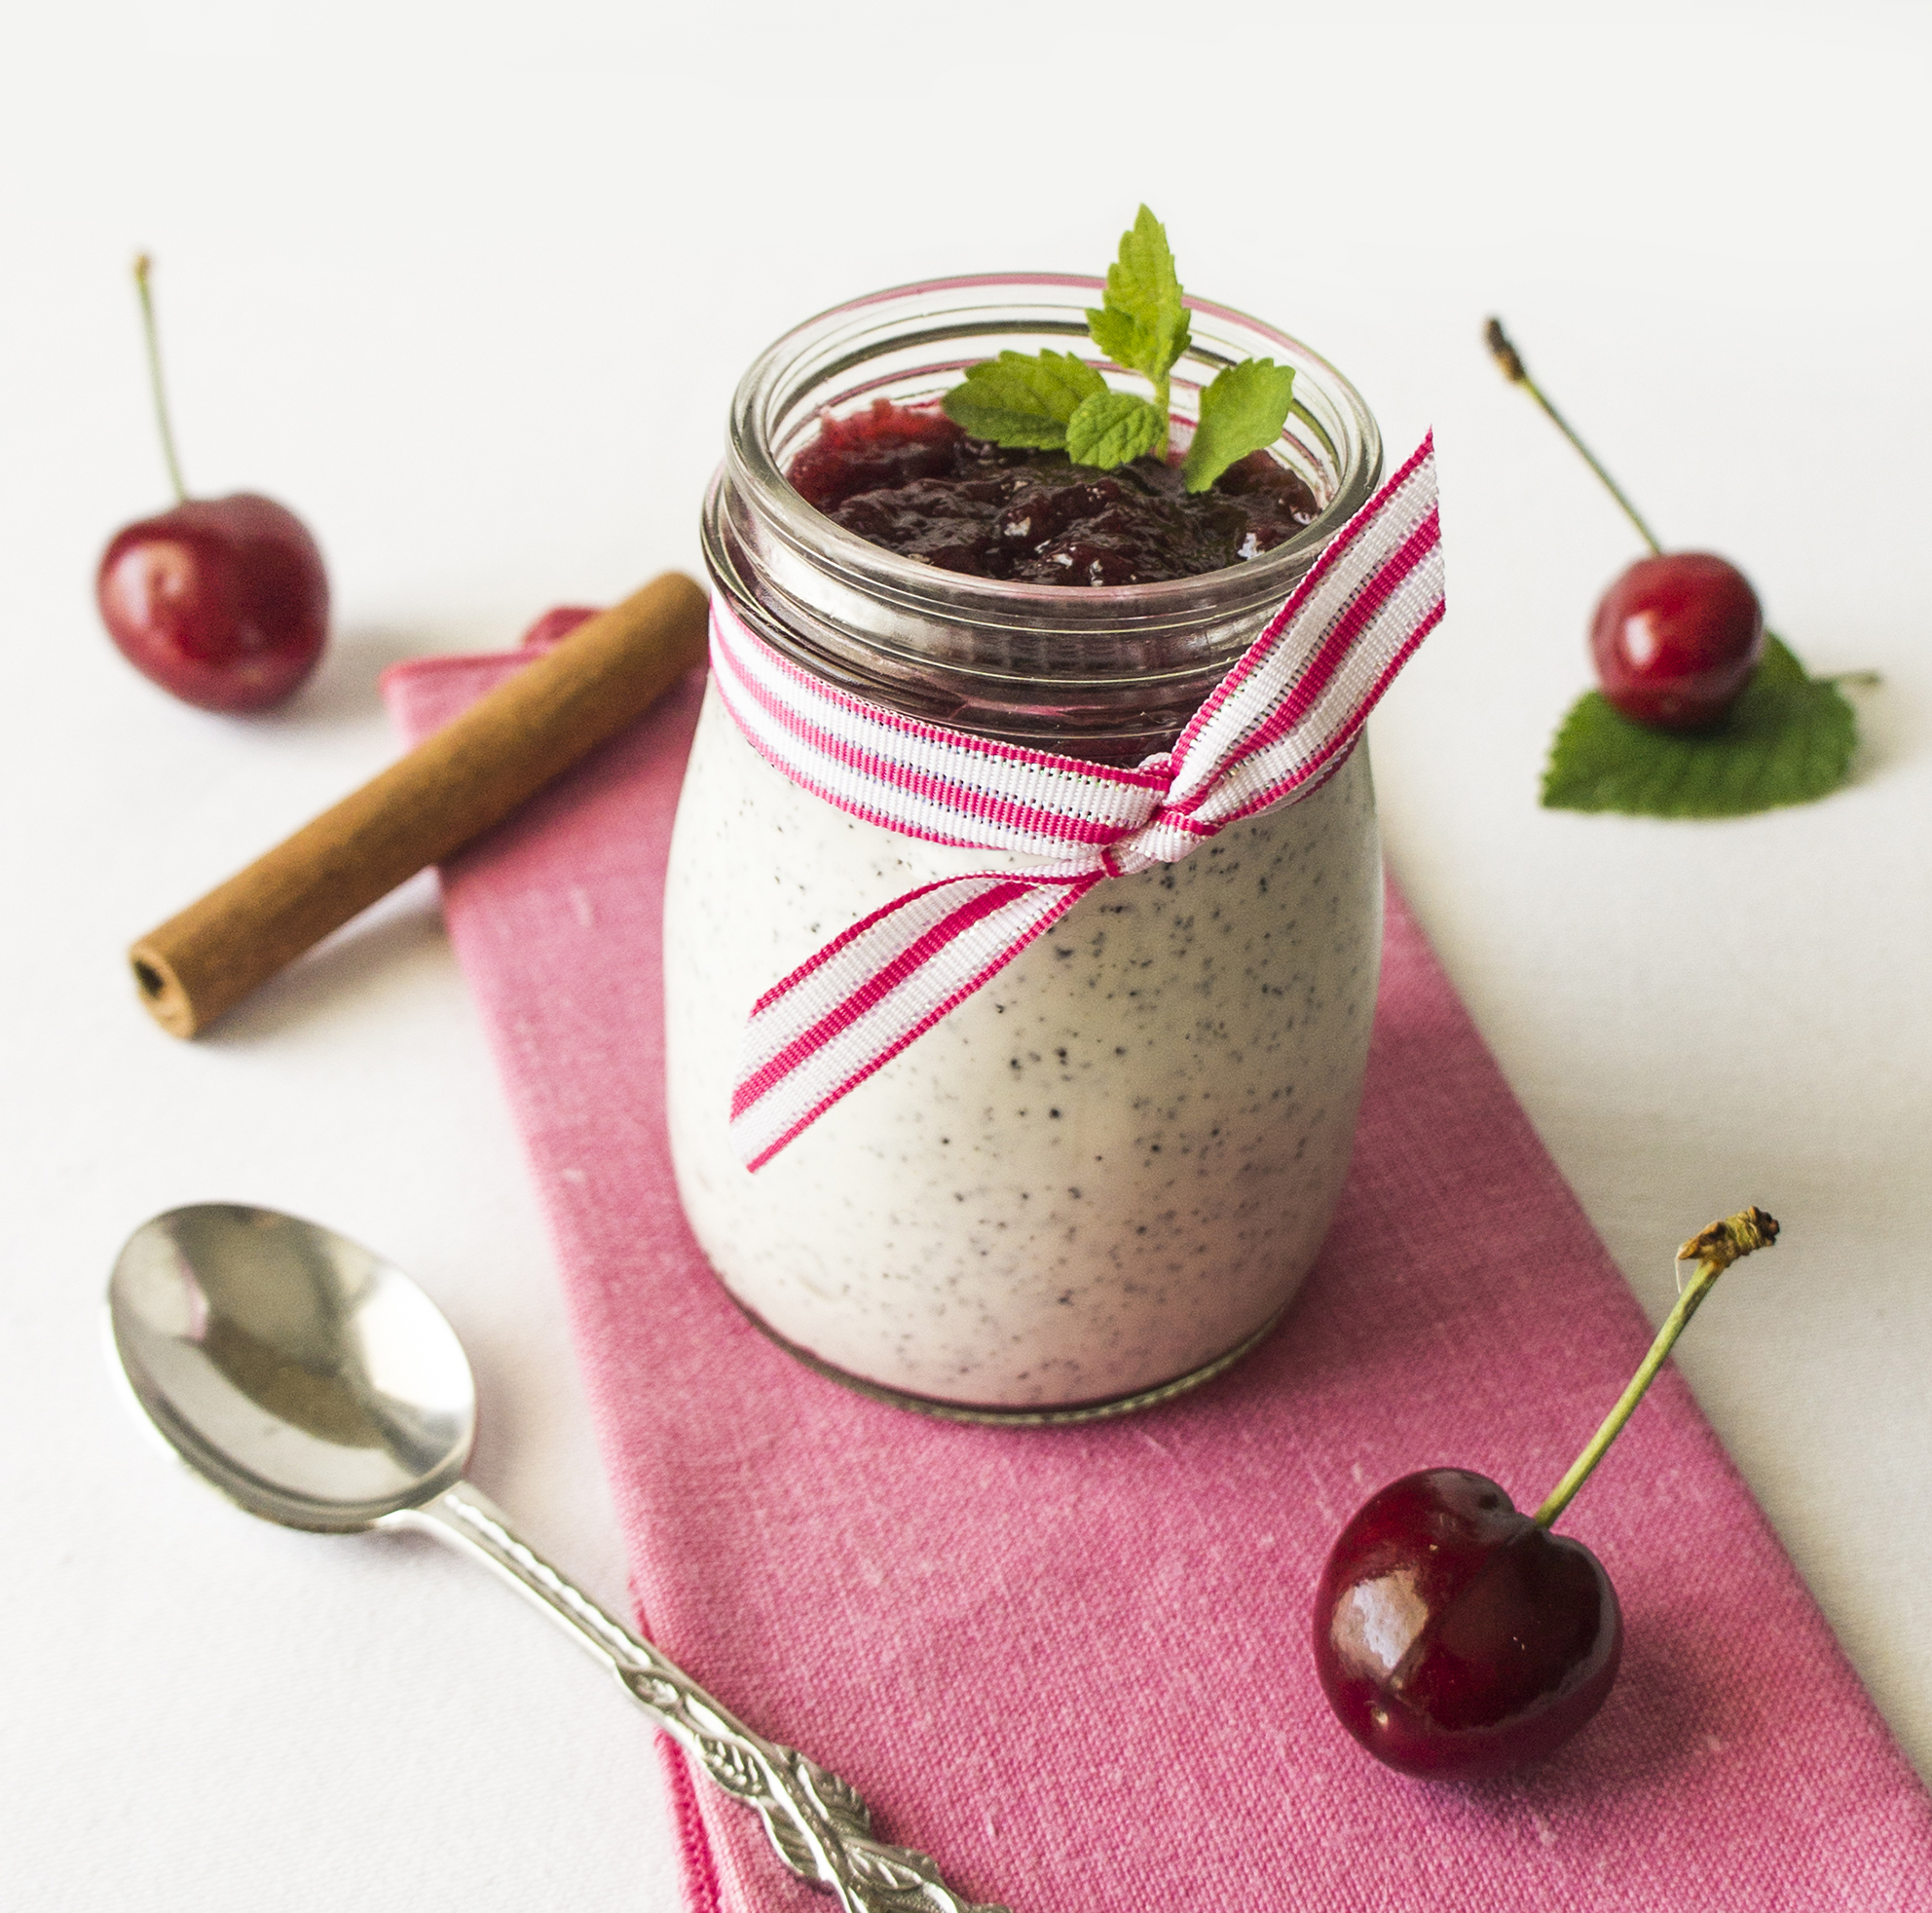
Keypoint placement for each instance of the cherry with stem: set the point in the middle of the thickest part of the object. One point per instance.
(224, 602)
(1678, 636)
(1455, 1637)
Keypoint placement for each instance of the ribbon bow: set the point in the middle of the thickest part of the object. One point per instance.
(1272, 731)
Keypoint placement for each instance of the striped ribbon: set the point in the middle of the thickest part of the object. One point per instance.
(1273, 729)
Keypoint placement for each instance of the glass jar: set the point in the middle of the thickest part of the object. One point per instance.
(1101, 1178)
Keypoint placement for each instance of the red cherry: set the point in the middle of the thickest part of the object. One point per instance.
(1454, 1638)
(222, 601)
(1678, 636)
(1676, 640)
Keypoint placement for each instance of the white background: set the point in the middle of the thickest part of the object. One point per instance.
(469, 286)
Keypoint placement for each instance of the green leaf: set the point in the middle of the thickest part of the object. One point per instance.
(1017, 399)
(1113, 426)
(1244, 410)
(1787, 740)
(1143, 326)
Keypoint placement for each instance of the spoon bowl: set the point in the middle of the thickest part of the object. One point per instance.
(304, 1376)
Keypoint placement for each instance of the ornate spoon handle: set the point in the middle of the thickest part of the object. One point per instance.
(818, 1825)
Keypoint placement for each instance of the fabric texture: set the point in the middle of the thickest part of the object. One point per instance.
(1073, 1663)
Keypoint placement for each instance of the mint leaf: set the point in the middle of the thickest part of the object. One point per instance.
(1015, 400)
(1143, 326)
(1244, 410)
(1112, 428)
(1787, 740)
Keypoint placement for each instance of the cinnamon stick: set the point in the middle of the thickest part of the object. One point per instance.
(450, 788)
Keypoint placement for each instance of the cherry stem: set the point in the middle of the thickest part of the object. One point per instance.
(1714, 1249)
(1514, 370)
(143, 265)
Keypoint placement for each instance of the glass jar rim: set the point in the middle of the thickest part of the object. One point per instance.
(838, 337)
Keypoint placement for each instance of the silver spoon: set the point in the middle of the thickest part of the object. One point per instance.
(317, 1386)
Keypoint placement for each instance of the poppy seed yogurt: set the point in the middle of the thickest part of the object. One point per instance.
(1105, 1169)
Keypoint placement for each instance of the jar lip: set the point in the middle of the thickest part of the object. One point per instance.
(762, 392)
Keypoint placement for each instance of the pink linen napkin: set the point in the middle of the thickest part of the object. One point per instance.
(1073, 1665)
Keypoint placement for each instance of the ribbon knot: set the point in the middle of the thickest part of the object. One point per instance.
(1274, 729)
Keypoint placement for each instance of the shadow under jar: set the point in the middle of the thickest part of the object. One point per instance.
(1101, 1177)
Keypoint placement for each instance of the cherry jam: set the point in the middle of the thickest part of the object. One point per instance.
(911, 480)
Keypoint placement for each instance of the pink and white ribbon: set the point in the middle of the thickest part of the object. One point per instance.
(1272, 730)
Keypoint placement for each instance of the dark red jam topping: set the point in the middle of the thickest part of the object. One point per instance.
(911, 480)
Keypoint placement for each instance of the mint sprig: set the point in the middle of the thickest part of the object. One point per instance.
(1788, 739)
(1054, 402)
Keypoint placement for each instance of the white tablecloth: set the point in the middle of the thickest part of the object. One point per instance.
(469, 288)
